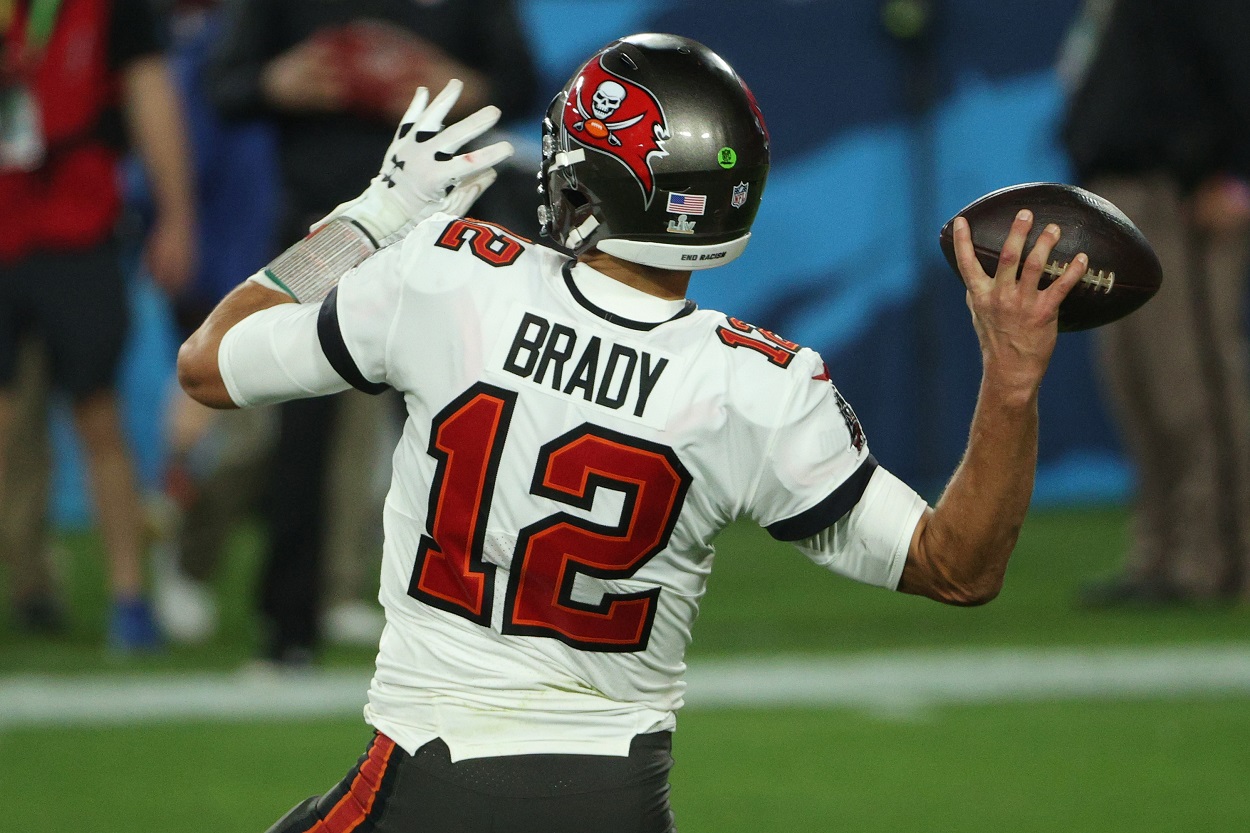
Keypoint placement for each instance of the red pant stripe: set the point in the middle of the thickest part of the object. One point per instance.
(354, 807)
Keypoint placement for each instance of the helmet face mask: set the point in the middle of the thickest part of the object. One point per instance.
(655, 152)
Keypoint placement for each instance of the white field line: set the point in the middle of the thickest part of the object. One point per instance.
(888, 682)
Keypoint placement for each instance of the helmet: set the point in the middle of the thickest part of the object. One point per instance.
(656, 153)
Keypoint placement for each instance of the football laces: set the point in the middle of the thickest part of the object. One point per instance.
(1102, 279)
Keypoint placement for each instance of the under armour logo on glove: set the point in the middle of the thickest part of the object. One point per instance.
(398, 166)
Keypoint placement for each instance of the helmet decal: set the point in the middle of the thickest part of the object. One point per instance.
(755, 109)
(704, 151)
(617, 117)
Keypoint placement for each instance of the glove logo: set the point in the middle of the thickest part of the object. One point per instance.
(397, 165)
(617, 117)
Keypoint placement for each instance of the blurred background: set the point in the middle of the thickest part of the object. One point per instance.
(881, 132)
(813, 704)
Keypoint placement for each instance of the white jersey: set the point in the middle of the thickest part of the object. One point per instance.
(562, 473)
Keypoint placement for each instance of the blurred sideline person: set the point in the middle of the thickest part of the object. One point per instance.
(578, 433)
(68, 67)
(358, 468)
(216, 461)
(334, 78)
(1159, 123)
(25, 545)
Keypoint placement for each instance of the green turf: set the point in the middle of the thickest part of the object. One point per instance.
(763, 597)
(1092, 767)
(82, 649)
(1095, 767)
(170, 778)
(1099, 767)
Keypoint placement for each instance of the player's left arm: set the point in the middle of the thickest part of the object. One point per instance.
(959, 551)
(251, 351)
(823, 490)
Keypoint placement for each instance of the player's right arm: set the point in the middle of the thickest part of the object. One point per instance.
(199, 370)
(257, 347)
(959, 550)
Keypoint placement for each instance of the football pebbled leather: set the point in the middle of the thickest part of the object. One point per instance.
(1123, 273)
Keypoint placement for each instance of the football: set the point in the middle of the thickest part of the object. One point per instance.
(1123, 273)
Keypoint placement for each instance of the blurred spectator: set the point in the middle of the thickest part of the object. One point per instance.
(358, 475)
(335, 77)
(1159, 123)
(67, 66)
(216, 460)
(24, 541)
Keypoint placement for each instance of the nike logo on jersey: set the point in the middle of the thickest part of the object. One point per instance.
(558, 359)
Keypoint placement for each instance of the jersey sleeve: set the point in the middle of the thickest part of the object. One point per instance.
(817, 464)
(358, 318)
(869, 544)
(299, 350)
(822, 489)
(273, 355)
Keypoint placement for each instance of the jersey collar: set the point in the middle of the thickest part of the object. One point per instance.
(619, 304)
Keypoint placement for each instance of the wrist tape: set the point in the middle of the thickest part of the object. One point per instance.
(312, 267)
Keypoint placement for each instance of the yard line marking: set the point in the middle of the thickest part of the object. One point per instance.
(893, 681)
(920, 678)
(116, 700)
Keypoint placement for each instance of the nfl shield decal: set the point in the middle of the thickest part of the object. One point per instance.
(739, 197)
(617, 117)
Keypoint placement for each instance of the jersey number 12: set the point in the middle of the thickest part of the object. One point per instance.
(450, 573)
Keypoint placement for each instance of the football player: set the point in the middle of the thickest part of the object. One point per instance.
(578, 433)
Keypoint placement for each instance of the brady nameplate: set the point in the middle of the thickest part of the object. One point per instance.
(610, 373)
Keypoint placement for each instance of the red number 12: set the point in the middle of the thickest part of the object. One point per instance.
(450, 574)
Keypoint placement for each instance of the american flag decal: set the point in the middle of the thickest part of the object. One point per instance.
(689, 204)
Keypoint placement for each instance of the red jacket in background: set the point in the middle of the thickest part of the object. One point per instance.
(73, 200)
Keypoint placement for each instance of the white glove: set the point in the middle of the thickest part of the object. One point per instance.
(462, 197)
(419, 176)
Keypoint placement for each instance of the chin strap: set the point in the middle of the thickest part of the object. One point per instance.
(582, 233)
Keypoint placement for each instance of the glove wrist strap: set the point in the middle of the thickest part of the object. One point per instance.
(312, 267)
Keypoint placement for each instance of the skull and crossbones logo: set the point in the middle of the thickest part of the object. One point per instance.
(606, 100)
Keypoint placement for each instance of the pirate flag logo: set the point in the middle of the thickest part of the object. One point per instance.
(617, 117)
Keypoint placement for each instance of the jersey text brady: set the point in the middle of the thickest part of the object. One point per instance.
(610, 374)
